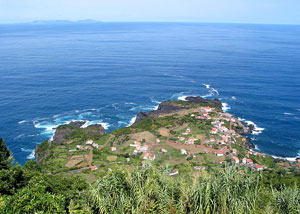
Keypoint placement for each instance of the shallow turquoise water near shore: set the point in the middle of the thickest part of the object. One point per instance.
(107, 72)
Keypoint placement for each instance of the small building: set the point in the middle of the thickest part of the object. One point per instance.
(93, 168)
(95, 145)
(208, 109)
(214, 131)
(152, 157)
(258, 167)
(224, 129)
(79, 147)
(113, 149)
(174, 172)
(247, 161)
(144, 148)
(191, 140)
(157, 140)
(136, 143)
(208, 117)
(181, 138)
(146, 156)
(89, 142)
(183, 152)
(219, 153)
(236, 159)
(164, 151)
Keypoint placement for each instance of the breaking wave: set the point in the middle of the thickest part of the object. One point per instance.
(287, 113)
(100, 122)
(31, 151)
(22, 121)
(225, 107)
(256, 130)
(132, 120)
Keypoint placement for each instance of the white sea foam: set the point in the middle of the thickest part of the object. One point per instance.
(182, 98)
(88, 123)
(130, 103)
(215, 91)
(154, 100)
(233, 97)
(31, 151)
(225, 107)
(22, 121)
(206, 85)
(292, 159)
(257, 130)
(31, 155)
(131, 121)
(287, 113)
(19, 136)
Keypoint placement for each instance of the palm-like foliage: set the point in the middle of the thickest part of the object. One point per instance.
(149, 190)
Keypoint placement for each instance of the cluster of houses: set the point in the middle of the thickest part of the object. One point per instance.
(142, 149)
(222, 136)
(89, 144)
(249, 162)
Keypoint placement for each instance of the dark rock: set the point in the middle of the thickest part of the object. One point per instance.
(198, 99)
(168, 107)
(95, 129)
(61, 133)
(250, 145)
(165, 107)
(77, 123)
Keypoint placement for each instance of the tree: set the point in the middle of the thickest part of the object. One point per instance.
(4, 155)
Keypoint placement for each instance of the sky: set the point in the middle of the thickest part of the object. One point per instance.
(221, 11)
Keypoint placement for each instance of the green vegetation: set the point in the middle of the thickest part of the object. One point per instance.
(4, 155)
(150, 189)
(127, 183)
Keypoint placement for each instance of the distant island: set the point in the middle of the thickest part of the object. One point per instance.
(184, 157)
(61, 22)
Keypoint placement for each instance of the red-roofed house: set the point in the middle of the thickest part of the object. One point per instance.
(191, 140)
(214, 131)
(258, 167)
(208, 109)
(219, 153)
(236, 159)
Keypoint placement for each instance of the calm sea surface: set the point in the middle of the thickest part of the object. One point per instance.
(107, 72)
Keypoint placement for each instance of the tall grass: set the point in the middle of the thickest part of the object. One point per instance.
(149, 190)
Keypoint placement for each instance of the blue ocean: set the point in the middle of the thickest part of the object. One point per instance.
(51, 74)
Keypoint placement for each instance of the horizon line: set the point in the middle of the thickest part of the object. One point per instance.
(92, 21)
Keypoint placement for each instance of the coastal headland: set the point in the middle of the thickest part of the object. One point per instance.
(195, 132)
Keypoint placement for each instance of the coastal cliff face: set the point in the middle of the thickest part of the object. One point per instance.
(168, 107)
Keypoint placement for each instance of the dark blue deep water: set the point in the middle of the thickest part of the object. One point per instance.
(107, 72)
